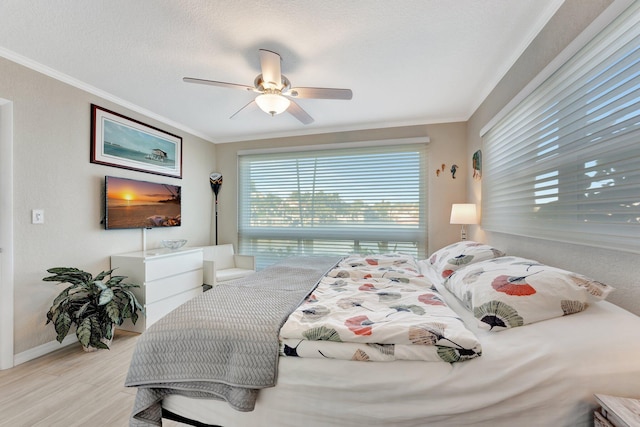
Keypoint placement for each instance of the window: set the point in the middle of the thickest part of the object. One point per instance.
(332, 201)
(564, 164)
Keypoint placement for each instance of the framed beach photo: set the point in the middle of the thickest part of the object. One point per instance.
(123, 142)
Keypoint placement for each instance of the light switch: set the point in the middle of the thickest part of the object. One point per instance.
(37, 216)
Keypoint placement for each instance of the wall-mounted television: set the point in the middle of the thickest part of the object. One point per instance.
(130, 203)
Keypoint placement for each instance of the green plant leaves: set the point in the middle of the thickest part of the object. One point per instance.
(107, 331)
(113, 312)
(68, 275)
(92, 304)
(64, 294)
(100, 285)
(78, 294)
(105, 296)
(82, 310)
(83, 332)
(103, 274)
(62, 325)
(100, 344)
(115, 280)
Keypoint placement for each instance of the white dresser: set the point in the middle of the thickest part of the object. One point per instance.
(167, 279)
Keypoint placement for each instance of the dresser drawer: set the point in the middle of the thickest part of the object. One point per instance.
(173, 285)
(158, 267)
(167, 279)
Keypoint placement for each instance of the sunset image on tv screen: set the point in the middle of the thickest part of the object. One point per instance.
(140, 204)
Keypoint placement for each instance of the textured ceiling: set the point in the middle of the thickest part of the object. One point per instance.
(407, 61)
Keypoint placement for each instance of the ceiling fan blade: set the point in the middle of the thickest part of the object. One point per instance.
(215, 83)
(249, 105)
(271, 71)
(319, 93)
(296, 111)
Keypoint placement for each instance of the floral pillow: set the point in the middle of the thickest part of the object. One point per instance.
(510, 291)
(379, 265)
(394, 259)
(450, 258)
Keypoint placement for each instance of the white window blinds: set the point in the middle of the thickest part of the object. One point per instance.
(337, 201)
(565, 163)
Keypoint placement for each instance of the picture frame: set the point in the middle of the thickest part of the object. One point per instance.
(123, 142)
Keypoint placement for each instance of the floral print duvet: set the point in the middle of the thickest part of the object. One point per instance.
(377, 308)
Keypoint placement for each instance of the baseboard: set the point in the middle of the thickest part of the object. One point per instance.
(41, 350)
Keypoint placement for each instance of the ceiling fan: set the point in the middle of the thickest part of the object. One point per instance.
(275, 92)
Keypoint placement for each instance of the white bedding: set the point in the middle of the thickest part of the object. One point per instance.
(377, 308)
(543, 374)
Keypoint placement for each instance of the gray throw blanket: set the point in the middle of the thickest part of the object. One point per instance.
(224, 343)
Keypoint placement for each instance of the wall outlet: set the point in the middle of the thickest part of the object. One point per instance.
(37, 216)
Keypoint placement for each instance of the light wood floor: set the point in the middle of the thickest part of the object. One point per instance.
(70, 387)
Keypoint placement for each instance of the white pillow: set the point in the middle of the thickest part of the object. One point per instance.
(508, 292)
(450, 258)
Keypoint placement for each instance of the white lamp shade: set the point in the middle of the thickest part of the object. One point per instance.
(272, 103)
(463, 213)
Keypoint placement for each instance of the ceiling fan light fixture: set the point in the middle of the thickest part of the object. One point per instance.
(272, 103)
(274, 90)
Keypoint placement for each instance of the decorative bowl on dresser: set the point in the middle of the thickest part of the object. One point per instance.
(174, 244)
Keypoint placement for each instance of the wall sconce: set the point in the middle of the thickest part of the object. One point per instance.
(463, 213)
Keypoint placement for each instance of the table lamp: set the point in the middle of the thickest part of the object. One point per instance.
(463, 213)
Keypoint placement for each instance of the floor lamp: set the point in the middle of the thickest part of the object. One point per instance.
(215, 179)
(463, 213)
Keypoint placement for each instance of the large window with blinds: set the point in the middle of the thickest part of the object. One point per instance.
(332, 201)
(565, 163)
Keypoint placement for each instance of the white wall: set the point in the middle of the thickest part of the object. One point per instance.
(52, 172)
(619, 269)
(6, 234)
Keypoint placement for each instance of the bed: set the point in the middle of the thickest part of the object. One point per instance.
(546, 341)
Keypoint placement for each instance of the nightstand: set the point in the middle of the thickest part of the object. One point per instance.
(616, 412)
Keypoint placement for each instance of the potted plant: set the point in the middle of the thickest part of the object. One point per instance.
(94, 304)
